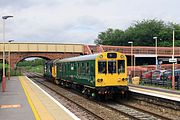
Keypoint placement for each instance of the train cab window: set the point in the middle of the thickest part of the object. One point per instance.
(111, 55)
(51, 68)
(112, 66)
(102, 67)
(121, 66)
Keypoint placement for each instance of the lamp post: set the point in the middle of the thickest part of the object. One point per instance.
(3, 77)
(155, 38)
(173, 87)
(131, 42)
(9, 68)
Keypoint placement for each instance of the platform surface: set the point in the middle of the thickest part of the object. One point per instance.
(24, 100)
(13, 102)
(157, 92)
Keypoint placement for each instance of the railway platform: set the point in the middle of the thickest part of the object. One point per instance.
(23, 99)
(156, 92)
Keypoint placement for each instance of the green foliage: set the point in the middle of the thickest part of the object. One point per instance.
(1, 66)
(12, 72)
(110, 37)
(34, 62)
(36, 69)
(15, 73)
(35, 65)
(142, 33)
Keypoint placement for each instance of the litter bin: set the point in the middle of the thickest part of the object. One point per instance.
(135, 80)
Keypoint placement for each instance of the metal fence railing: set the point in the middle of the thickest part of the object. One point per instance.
(162, 80)
(161, 83)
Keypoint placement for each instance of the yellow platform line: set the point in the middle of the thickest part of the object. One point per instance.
(38, 106)
(29, 100)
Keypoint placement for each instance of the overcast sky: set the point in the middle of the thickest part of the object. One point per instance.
(78, 21)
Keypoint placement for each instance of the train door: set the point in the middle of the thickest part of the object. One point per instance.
(112, 75)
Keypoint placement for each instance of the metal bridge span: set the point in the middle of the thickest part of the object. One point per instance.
(20, 51)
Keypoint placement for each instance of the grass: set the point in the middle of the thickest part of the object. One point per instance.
(37, 69)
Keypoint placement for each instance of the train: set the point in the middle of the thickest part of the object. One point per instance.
(102, 75)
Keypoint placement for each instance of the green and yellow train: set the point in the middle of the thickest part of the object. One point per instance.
(103, 74)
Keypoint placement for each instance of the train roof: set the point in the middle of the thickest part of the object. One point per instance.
(79, 58)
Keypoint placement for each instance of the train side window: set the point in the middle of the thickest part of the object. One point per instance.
(87, 68)
(102, 67)
(72, 66)
(121, 66)
(75, 67)
(63, 69)
(60, 67)
(112, 66)
(92, 70)
(78, 68)
(82, 69)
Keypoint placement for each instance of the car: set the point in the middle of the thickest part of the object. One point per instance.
(167, 77)
(147, 76)
(157, 76)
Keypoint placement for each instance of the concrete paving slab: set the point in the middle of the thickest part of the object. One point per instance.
(14, 95)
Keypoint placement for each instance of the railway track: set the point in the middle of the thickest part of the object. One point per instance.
(82, 107)
(117, 110)
(139, 111)
(97, 111)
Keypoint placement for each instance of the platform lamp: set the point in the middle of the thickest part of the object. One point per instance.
(155, 38)
(3, 77)
(131, 42)
(9, 67)
(173, 79)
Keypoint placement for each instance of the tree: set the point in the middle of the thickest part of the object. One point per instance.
(110, 37)
(142, 33)
(34, 62)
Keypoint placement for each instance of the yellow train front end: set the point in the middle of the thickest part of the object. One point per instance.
(111, 73)
(54, 72)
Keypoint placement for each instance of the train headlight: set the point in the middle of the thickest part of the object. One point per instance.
(100, 80)
(101, 56)
(122, 56)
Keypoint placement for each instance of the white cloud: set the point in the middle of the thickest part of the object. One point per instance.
(78, 21)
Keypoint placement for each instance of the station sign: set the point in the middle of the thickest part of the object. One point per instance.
(173, 60)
